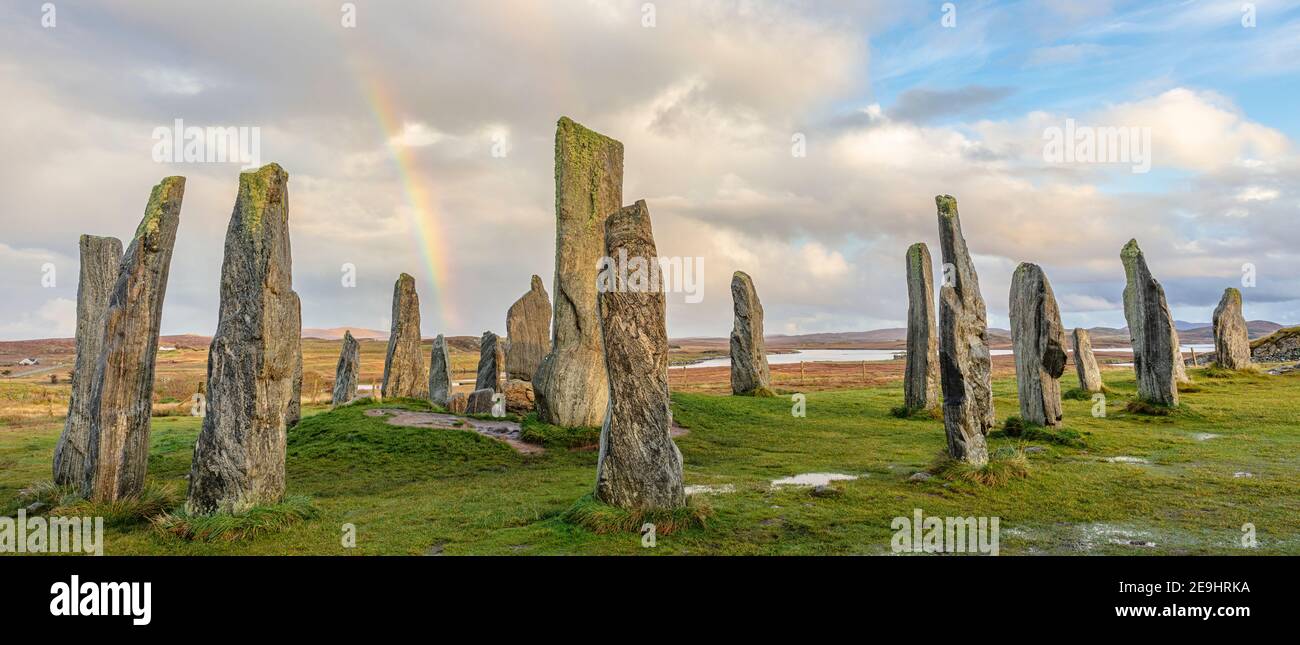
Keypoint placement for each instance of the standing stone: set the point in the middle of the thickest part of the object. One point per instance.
(1085, 363)
(1231, 338)
(294, 415)
(254, 365)
(458, 403)
(100, 258)
(345, 375)
(1039, 342)
(1156, 356)
(520, 398)
(404, 367)
(749, 370)
(965, 365)
(571, 380)
(528, 327)
(921, 375)
(639, 466)
(491, 364)
(440, 373)
(122, 390)
(479, 401)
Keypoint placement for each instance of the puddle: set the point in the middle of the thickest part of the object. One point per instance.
(813, 479)
(1093, 535)
(1241, 473)
(704, 489)
(1203, 436)
(507, 432)
(1125, 459)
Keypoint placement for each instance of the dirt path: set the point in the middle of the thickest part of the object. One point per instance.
(505, 431)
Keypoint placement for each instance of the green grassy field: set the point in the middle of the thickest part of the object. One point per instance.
(418, 491)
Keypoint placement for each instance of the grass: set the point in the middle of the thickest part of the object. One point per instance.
(1003, 466)
(598, 517)
(412, 491)
(1018, 428)
(917, 414)
(541, 433)
(228, 527)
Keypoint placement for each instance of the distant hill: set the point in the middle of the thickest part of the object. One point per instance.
(336, 333)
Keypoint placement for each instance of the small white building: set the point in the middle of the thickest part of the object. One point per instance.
(30, 361)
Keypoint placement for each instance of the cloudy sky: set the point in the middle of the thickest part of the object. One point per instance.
(421, 140)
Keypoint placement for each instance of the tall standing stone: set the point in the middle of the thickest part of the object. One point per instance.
(965, 365)
(1039, 342)
(749, 369)
(404, 367)
(491, 364)
(345, 375)
(639, 466)
(121, 396)
(440, 373)
(588, 187)
(528, 327)
(100, 259)
(921, 375)
(1085, 363)
(1231, 337)
(1156, 356)
(254, 365)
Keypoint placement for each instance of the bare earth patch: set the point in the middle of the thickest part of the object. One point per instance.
(505, 431)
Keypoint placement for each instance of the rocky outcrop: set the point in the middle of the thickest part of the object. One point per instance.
(491, 364)
(254, 365)
(921, 374)
(1039, 342)
(1085, 362)
(404, 366)
(1231, 338)
(440, 372)
(965, 363)
(345, 375)
(121, 394)
(749, 370)
(1156, 356)
(520, 398)
(528, 327)
(1280, 346)
(639, 466)
(571, 380)
(100, 259)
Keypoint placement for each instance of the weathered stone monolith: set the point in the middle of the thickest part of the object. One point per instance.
(457, 403)
(1085, 363)
(254, 365)
(1039, 343)
(440, 373)
(1231, 337)
(921, 374)
(121, 395)
(294, 415)
(100, 259)
(479, 401)
(639, 466)
(528, 327)
(965, 365)
(1156, 356)
(749, 370)
(491, 373)
(520, 398)
(405, 372)
(345, 375)
(571, 379)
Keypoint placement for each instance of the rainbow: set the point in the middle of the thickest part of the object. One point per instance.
(418, 196)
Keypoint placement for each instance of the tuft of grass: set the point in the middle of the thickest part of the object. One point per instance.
(1141, 406)
(916, 414)
(1015, 426)
(1080, 394)
(152, 502)
(539, 432)
(1003, 466)
(1037, 433)
(601, 518)
(1188, 388)
(760, 392)
(46, 493)
(228, 527)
